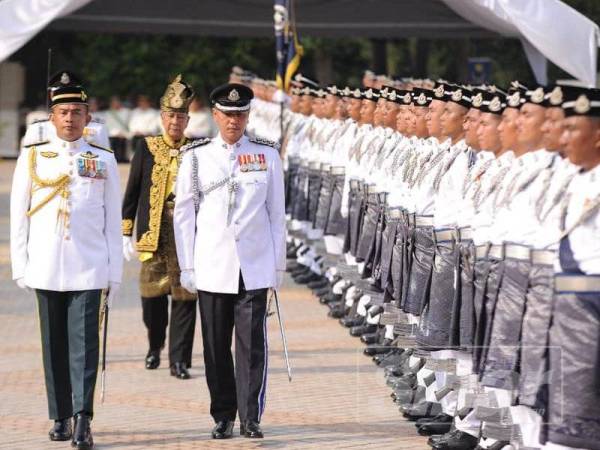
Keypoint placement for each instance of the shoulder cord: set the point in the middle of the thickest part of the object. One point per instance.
(59, 185)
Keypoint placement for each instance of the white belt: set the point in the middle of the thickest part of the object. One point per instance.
(543, 257)
(444, 235)
(515, 251)
(576, 283)
(424, 221)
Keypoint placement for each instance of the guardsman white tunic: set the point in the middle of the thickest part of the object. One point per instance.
(73, 241)
(240, 223)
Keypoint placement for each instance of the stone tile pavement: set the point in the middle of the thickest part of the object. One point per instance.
(337, 398)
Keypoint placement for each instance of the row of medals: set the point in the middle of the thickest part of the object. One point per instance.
(252, 162)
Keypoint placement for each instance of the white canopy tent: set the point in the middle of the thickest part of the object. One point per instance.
(548, 29)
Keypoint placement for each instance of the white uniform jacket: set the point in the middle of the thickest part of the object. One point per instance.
(253, 240)
(81, 248)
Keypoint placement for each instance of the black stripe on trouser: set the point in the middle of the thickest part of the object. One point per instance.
(408, 245)
(322, 214)
(502, 359)
(420, 271)
(368, 229)
(454, 337)
(486, 318)
(300, 205)
(574, 407)
(434, 326)
(491, 298)
(388, 241)
(240, 390)
(314, 189)
(373, 260)
(352, 199)
(482, 268)
(467, 293)
(291, 181)
(336, 224)
(70, 349)
(395, 279)
(533, 389)
(356, 220)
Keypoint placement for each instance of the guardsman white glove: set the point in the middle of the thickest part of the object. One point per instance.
(21, 283)
(128, 249)
(188, 280)
(113, 292)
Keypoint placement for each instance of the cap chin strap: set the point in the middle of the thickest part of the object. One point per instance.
(231, 108)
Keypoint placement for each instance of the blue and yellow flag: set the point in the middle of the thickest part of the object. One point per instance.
(287, 45)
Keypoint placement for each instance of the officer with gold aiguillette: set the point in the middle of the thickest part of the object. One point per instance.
(66, 245)
(150, 197)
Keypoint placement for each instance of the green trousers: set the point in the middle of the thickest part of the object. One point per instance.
(70, 348)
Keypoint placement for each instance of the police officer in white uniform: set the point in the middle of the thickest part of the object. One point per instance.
(66, 245)
(230, 189)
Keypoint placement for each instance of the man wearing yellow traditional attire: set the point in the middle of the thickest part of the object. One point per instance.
(150, 199)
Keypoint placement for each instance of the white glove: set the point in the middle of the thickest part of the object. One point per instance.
(279, 279)
(128, 249)
(112, 292)
(21, 283)
(187, 280)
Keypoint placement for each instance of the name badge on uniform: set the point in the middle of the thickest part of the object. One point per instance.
(252, 162)
(91, 168)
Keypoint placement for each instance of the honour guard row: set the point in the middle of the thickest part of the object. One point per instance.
(206, 218)
(454, 229)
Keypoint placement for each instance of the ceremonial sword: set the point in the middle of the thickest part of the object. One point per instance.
(104, 322)
(283, 339)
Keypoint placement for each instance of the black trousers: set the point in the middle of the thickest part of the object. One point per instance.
(155, 312)
(241, 389)
(70, 349)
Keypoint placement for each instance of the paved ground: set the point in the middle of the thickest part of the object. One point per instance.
(337, 399)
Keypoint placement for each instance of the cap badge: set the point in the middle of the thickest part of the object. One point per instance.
(407, 98)
(514, 99)
(556, 96)
(439, 91)
(477, 100)
(582, 104)
(537, 96)
(357, 93)
(233, 96)
(457, 95)
(495, 105)
(83, 96)
(64, 78)
(422, 99)
(369, 94)
(392, 96)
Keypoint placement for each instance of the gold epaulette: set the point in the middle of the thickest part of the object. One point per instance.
(36, 143)
(100, 147)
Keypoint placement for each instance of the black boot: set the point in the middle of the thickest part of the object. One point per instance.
(82, 436)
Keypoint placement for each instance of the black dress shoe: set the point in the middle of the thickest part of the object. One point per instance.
(223, 429)
(251, 429)
(439, 424)
(320, 283)
(459, 441)
(179, 370)
(153, 359)
(363, 329)
(422, 410)
(62, 430)
(82, 434)
(352, 321)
